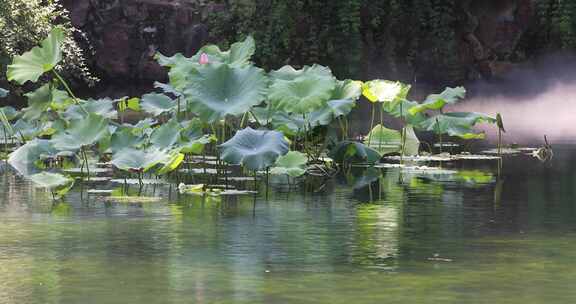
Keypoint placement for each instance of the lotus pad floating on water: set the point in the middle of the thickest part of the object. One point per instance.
(254, 149)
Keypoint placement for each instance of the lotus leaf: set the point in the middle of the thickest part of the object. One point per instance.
(196, 146)
(50, 180)
(332, 110)
(23, 158)
(292, 164)
(218, 90)
(289, 73)
(303, 94)
(10, 113)
(81, 133)
(254, 149)
(352, 151)
(166, 135)
(384, 140)
(32, 64)
(457, 124)
(130, 159)
(438, 101)
(157, 104)
(402, 108)
(124, 138)
(385, 90)
(38, 102)
(103, 107)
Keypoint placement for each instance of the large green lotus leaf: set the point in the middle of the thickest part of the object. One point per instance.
(23, 158)
(50, 180)
(401, 109)
(166, 135)
(303, 94)
(157, 104)
(384, 140)
(254, 149)
(457, 124)
(385, 91)
(38, 102)
(218, 90)
(347, 89)
(103, 107)
(3, 93)
(290, 73)
(332, 110)
(438, 101)
(351, 151)
(81, 132)
(292, 164)
(131, 159)
(32, 64)
(124, 137)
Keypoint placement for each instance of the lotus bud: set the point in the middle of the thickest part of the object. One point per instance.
(204, 59)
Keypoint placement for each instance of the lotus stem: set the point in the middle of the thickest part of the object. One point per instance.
(499, 142)
(371, 125)
(83, 151)
(439, 134)
(255, 118)
(403, 138)
(65, 84)
(381, 125)
(243, 121)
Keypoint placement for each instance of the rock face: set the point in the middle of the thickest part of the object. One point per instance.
(491, 31)
(126, 34)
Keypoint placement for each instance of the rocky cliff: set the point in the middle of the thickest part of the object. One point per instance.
(481, 37)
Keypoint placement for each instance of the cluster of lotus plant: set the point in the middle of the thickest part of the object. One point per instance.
(288, 121)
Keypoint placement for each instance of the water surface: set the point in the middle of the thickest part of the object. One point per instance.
(403, 239)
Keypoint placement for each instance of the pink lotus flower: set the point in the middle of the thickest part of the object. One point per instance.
(204, 59)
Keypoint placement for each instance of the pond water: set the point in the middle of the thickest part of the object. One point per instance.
(406, 238)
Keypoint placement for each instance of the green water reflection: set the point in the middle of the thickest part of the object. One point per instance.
(369, 237)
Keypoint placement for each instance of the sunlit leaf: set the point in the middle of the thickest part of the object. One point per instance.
(385, 90)
(32, 64)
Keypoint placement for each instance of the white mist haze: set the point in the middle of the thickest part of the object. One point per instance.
(534, 101)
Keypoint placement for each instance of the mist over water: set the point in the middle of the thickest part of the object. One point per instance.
(534, 101)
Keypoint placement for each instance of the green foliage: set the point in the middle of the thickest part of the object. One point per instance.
(292, 164)
(307, 108)
(24, 23)
(32, 64)
(254, 149)
(217, 90)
